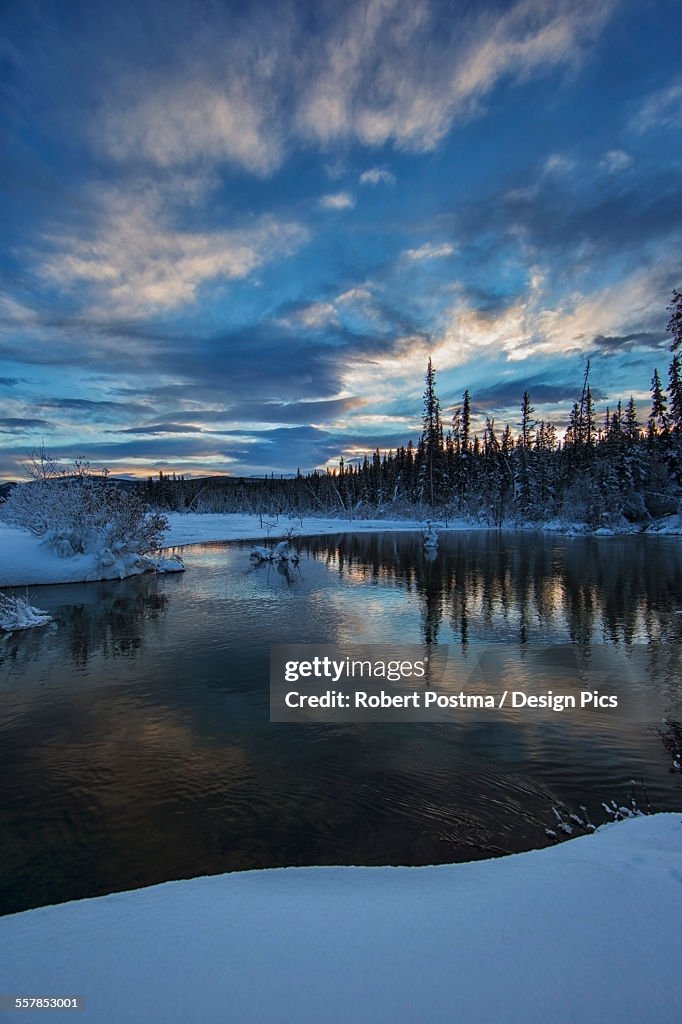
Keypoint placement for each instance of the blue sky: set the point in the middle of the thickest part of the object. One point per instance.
(233, 235)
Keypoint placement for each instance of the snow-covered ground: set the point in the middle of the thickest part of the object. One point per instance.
(193, 528)
(24, 561)
(587, 932)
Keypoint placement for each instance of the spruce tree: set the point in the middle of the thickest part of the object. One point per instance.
(674, 325)
(524, 455)
(675, 418)
(675, 393)
(431, 469)
(461, 441)
(658, 417)
(527, 421)
(630, 421)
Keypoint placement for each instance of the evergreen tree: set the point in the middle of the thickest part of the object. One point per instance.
(527, 422)
(466, 421)
(630, 421)
(461, 440)
(674, 325)
(658, 417)
(431, 448)
(675, 393)
(525, 456)
(590, 419)
(675, 418)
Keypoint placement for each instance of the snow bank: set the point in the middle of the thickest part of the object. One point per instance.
(585, 932)
(194, 528)
(26, 561)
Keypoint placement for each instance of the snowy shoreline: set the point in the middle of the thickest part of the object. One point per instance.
(25, 561)
(585, 931)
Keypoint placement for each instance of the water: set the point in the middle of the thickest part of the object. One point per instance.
(136, 747)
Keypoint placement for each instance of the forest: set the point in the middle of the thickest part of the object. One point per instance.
(610, 468)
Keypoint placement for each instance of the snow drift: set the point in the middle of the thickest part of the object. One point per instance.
(586, 932)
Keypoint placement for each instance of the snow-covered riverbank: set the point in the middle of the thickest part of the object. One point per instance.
(24, 561)
(586, 932)
(193, 528)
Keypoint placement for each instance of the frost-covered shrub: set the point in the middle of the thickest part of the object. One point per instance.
(85, 514)
(15, 613)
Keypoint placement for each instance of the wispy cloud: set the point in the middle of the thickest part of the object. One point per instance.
(312, 315)
(173, 124)
(423, 81)
(20, 424)
(558, 164)
(381, 71)
(338, 201)
(532, 326)
(615, 161)
(430, 251)
(660, 109)
(377, 176)
(136, 260)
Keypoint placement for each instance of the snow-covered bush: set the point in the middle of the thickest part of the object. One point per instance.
(280, 553)
(83, 514)
(16, 613)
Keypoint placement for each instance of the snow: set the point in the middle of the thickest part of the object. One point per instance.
(587, 931)
(668, 525)
(16, 613)
(280, 553)
(25, 560)
(430, 535)
(194, 528)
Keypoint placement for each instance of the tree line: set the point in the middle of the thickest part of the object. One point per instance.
(609, 468)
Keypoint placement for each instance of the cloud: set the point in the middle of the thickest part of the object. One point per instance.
(614, 161)
(86, 405)
(430, 251)
(558, 164)
(377, 176)
(160, 428)
(660, 109)
(312, 315)
(244, 91)
(255, 414)
(533, 327)
(19, 424)
(80, 409)
(135, 259)
(338, 201)
(391, 73)
(508, 394)
(575, 222)
(173, 124)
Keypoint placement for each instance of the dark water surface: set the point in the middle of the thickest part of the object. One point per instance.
(136, 746)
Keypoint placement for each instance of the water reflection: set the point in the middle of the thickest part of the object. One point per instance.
(527, 587)
(136, 746)
(107, 619)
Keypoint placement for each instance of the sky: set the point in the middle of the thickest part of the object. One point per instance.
(233, 234)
